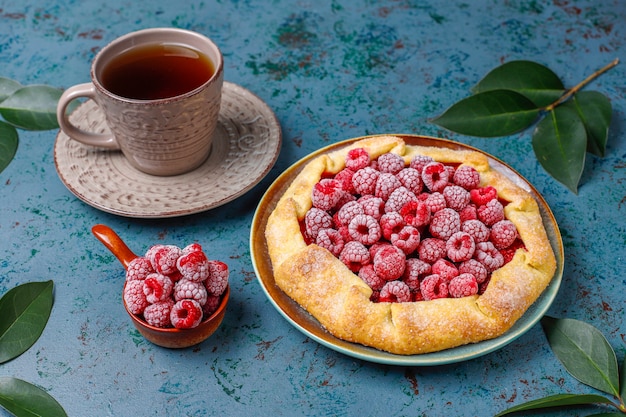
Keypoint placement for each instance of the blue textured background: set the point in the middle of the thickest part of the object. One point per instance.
(331, 70)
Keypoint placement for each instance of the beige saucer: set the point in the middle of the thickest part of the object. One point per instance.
(246, 145)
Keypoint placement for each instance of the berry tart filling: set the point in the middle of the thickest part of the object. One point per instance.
(380, 215)
(408, 249)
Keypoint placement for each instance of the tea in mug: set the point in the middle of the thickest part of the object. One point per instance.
(156, 71)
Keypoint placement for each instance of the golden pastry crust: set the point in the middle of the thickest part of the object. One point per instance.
(340, 300)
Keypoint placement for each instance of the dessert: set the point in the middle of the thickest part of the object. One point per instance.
(408, 249)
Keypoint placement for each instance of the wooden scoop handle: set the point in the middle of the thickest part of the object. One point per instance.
(114, 243)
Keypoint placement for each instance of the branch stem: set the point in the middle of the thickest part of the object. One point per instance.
(580, 85)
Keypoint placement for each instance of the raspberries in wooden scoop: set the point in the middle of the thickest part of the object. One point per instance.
(413, 231)
(174, 287)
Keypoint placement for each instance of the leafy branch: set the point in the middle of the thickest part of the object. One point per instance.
(31, 107)
(24, 313)
(516, 95)
(588, 357)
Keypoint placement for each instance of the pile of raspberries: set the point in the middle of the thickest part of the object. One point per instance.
(174, 287)
(412, 233)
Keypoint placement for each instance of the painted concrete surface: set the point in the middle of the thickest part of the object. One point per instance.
(330, 70)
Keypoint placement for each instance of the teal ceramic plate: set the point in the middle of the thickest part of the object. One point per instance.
(308, 325)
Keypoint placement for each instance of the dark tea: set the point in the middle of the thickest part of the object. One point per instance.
(156, 71)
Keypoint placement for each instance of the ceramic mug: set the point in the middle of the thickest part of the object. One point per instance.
(159, 132)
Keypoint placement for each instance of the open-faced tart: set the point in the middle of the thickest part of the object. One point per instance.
(408, 249)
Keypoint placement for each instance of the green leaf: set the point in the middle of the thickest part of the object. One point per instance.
(534, 81)
(24, 312)
(8, 144)
(595, 110)
(560, 143)
(557, 400)
(23, 399)
(489, 114)
(622, 381)
(32, 107)
(8, 87)
(614, 414)
(584, 352)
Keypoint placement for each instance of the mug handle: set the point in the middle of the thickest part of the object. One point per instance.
(101, 140)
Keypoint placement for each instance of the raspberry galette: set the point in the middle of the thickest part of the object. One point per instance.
(408, 249)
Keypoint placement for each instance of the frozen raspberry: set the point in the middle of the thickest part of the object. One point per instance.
(186, 314)
(476, 229)
(398, 198)
(390, 163)
(345, 179)
(463, 285)
(391, 223)
(158, 314)
(472, 266)
(414, 271)
(164, 259)
(364, 180)
(419, 162)
(468, 213)
(431, 249)
(411, 179)
(372, 206)
(345, 198)
(434, 201)
(212, 303)
(503, 234)
(488, 255)
(445, 223)
(481, 196)
(347, 212)
(151, 251)
(344, 233)
(134, 297)
(415, 213)
(467, 177)
(435, 176)
(357, 159)
(315, 220)
(175, 276)
(373, 250)
(194, 266)
(331, 240)
(407, 239)
(457, 198)
(416, 296)
(326, 193)
(217, 281)
(354, 255)
(445, 269)
(157, 287)
(509, 252)
(460, 247)
(491, 213)
(192, 290)
(395, 292)
(369, 276)
(364, 229)
(389, 263)
(433, 287)
(138, 269)
(386, 184)
(192, 247)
